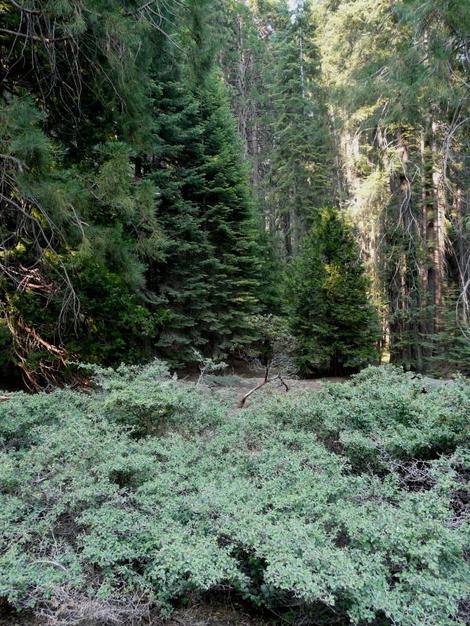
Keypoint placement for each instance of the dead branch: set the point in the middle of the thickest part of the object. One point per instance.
(24, 9)
(27, 341)
(66, 606)
(266, 381)
(31, 37)
(250, 393)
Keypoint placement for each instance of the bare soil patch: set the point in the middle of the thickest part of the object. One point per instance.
(219, 613)
(236, 386)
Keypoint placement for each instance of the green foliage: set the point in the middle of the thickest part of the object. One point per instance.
(207, 281)
(151, 402)
(116, 327)
(383, 415)
(73, 230)
(256, 502)
(271, 64)
(145, 399)
(327, 300)
(126, 224)
(228, 221)
(301, 158)
(450, 345)
(5, 346)
(395, 77)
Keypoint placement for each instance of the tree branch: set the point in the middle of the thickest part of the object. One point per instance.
(7, 31)
(24, 9)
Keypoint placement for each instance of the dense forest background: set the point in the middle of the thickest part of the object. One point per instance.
(270, 191)
(175, 173)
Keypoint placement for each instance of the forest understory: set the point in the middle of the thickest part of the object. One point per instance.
(234, 312)
(148, 498)
(145, 499)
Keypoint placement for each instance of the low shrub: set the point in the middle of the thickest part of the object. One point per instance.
(22, 413)
(380, 415)
(145, 399)
(150, 401)
(254, 501)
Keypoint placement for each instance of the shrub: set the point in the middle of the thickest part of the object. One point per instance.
(23, 412)
(258, 503)
(150, 401)
(146, 399)
(382, 414)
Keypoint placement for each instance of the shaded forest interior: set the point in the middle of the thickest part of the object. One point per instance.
(203, 179)
(235, 272)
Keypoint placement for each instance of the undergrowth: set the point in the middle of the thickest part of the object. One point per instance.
(348, 506)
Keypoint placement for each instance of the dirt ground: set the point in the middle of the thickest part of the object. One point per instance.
(235, 387)
(219, 613)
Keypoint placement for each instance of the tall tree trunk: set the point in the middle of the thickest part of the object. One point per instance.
(439, 238)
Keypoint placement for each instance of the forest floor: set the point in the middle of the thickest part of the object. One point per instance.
(245, 385)
(235, 386)
(219, 613)
(210, 613)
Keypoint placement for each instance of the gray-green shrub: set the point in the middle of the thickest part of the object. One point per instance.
(255, 501)
(380, 415)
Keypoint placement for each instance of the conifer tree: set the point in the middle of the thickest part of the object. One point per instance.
(206, 285)
(228, 221)
(397, 75)
(126, 224)
(271, 64)
(76, 226)
(301, 156)
(329, 311)
(179, 279)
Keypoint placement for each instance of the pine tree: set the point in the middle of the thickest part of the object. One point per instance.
(395, 73)
(126, 222)
(328, 307)
(450, 345)
(271, 65)
(75, 225)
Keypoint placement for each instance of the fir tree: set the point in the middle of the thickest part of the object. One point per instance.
(126, 222)
(206, 284)
(228, 221)
(179, 279)
(329, 311)
(450, 345)
(301, 155)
